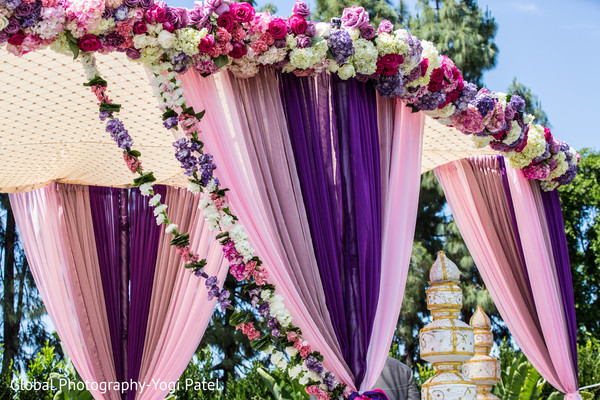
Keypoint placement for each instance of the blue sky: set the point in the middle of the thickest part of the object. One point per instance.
(551, 46)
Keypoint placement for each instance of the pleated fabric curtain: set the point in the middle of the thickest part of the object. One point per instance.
(303, 159)
(125, 299)
(515, 234)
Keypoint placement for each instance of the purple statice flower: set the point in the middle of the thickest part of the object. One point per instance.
(264, 310)
(114, 39)
(133, 53)
(206, 168)
(224, 295)
(104, 115)
(329, 381)
(24, 9)
(275, 327)
(181, 62)
(340, 44)
(200, 272)
(484, 104)
(170, 123)
(3, 37)
(131, 3)
(391, 86)
(119, 133)
(517, 103)
(185, 156)
(313, 365)
(211, 281)
(223, 300)
(254, 300)
(466, 96)
(431, 100)
(13, 26)
(29, 21)
(121, 12)
(224, 304)
(108, 13)
(255, 292)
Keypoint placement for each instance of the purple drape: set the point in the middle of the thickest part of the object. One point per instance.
(556, 228)
(338, 165)
(144, 239)
(105, 207)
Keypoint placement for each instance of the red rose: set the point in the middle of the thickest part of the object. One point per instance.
(436, 80)
(239, 50)
(391, 63)
(139, 28)
(450, 97)
(242, 12)
(278, 28)
(89, 43)
(206, 43)
(298, 24)
(226, 21)
(16, 39)
(380, 67)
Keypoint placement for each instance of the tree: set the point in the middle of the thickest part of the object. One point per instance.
(22, 308)
(581, 205)
(533, 105)
(461, 31)
(270, 8)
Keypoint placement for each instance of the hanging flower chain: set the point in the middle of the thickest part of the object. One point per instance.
(304, 364)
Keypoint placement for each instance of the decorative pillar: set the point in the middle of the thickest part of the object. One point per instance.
(483, 369)
(446, 342)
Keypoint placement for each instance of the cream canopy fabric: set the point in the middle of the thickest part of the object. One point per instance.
(50, 131)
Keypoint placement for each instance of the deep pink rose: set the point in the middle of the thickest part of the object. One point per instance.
(392, 61)
(89, 43)
(301, 9)
(298, 24)
(278, 28)
(242, 12)
(206, 43)
(367, 32)
(424, 66)
(139, 28)
(239, 50)
(226, 21)
(355, 17)
(168, 26)
(385, 26)
(16, 39)
(156, 14)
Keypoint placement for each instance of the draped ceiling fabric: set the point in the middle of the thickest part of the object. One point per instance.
(302, 157)
(516, 236)
(44, 88)
(114, 288)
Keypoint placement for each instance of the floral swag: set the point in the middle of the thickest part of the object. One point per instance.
(218, 35)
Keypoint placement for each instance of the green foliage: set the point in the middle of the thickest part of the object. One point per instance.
(282, 387)
(271, 8)
(580, 206)
(519, 379)
(424, 372)
(38, 371)
(460, 30)
(533, 105)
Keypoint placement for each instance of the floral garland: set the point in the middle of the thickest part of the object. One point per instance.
(219, 34)
(222, 34)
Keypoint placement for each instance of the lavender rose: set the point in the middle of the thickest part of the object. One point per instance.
(355, 17)
(146, 3)
(303, 41)
(217, 6)
(385, 26)
(24, 9)
(301, 9)
(3, 37)
(131, 3)
(132, 53)
(13, 26)
(367, 32)
(178, 17)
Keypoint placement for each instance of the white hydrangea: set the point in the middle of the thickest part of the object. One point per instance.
(528, 119)
(481, 141)
(448, 110)
(271, 56)
(501, 98)
(301, 58)
(548, 186)
(291, 41)
(435, 61)
(536, 145)
(365, 57)
(188, 40)
(390, 44)
(105, 26)
(61, 45)
(150, 55)
(561, 168)
(333, 66)
(244, 68)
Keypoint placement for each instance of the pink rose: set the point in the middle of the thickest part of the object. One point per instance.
(239, 50)
(156, 14)
(278, 28)
(301, 9)
(16, 39)
(226, 21)
(206, 43)
(385, 26)
(355, 17)
(242, 12)
(298, 24)
(292, 336)
(89, 43)
(139, 28)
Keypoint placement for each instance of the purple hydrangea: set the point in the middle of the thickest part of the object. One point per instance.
(517, 103)
(119, 134)
(431, 100)
(484, 104)
(340, 44)
(11, 5)
(568, 176)
(181, 62)
(29, 21)
(391, 86)
(121, 12)
(542, 156)
(466, 96)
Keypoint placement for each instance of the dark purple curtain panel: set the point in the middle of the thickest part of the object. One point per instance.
(339, 169)
(143, 245)
(558, 238)
(104, 203)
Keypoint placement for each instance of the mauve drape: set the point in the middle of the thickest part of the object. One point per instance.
(476, 192)
(222, 126)
(105, 208)
(339, 171)
(144, 240)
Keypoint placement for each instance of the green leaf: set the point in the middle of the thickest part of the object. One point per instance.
(196, 265)
(73, 44)
(134, 153)
(181, 240)
(222, 235)
(168, 114)
(145, 178)
(110, 107)
(261, 343)
(96, 81)
(238, 317)
(316, 40)
(413, 108)
(221, 61)
(200, 115)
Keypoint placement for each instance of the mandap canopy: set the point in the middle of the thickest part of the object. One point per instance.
(302, 145)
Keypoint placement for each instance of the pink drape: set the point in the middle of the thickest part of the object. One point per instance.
(64, 272)
(478, 200)
(179, 311)
(224, 129)
(399, 218)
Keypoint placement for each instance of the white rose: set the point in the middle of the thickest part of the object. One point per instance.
(3, 22)
(333, 66)
(354, 33)
(291, 351)
(140, 41)
(346, 71)
(323, 29)
(166, 39)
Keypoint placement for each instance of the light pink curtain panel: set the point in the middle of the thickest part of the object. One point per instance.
(532, 309)
(246, 131)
